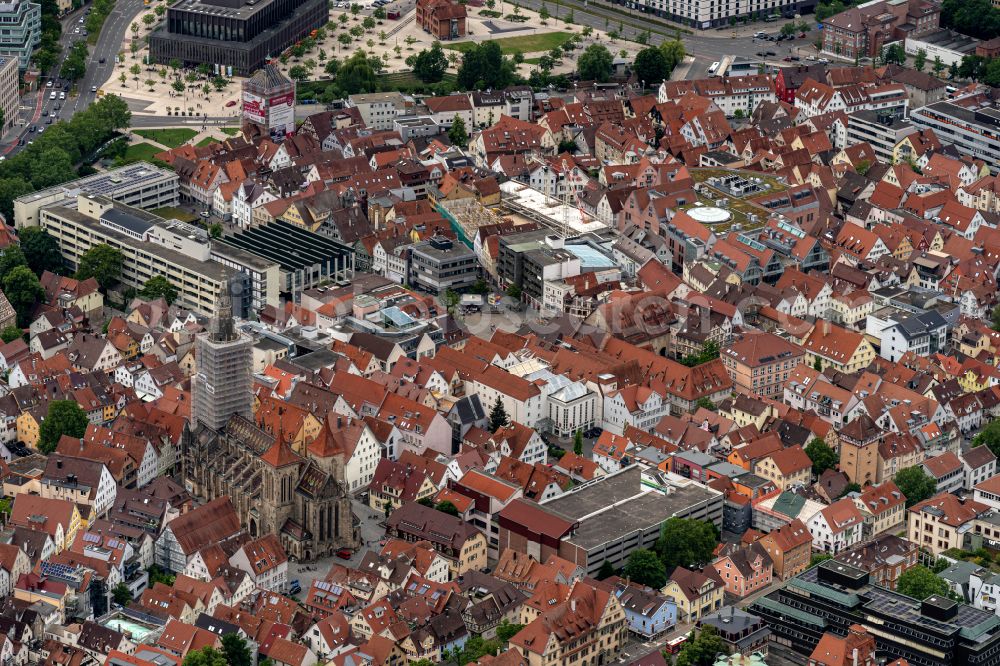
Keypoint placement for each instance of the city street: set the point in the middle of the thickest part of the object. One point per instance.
(38, 107)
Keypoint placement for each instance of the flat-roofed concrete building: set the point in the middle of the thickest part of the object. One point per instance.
(604, 519)
(150, 245)
(441, 264)
(141, 185)
(240, 34)
(304, 259)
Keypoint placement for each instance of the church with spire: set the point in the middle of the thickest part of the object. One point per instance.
(299, 497)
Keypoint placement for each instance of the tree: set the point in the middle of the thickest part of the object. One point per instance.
(543, 13)
(102, 262)
(121, 594)
(507, 630)
(920, 60)
(850, 488)
(953, 70)
(430, 64)
(578, 442)
(645, 568)
(457, 133)
(920, 582)
(368, 24)
(331, 66)
(298, 72)
(207, 656)
(426, 501)
(65, 417)
(215, 230)
(788, 29)
(379, 13)
(10, 334)
(236, 651)
(863, 167)
(705, 402)
(702, 649)
(159, 286)
(356, 75)
(938, 66)
(484, 66)
(607, 570)
(23, 292)
(823, 457)
(149, 19)
(498, 416)
(445, 506)
(686, 542)
(915, 484)
(595, 63)
(11, 258)
(651, 65)
(990, 435)
(818, 364)
(819, 557)
(177, 85)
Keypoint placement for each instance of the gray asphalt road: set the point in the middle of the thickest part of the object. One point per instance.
(107, 46)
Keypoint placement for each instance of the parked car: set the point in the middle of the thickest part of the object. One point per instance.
(344, 553)
(231, 102)
(294, 587)
(48, 84)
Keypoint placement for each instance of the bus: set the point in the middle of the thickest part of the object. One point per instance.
(674, 645)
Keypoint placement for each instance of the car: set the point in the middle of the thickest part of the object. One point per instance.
(794, 58)
(102, 60)
(84, 33)
(81, 20)
(52, 95)
(45, 113)
(57, 107)
(802, 35)
(344, 553)
(825, 61)
(205, 214)
(93, 89)
(810, 57)
(771, 54)
(761, 54)
(20, 142)
(76, 31)
(48, 121)
(62, 95)
(787, 58)
(294, 587)
(713, 67)
(230, 103)
(48, 84)
(760, 35)
(66, 87)
(41, 129)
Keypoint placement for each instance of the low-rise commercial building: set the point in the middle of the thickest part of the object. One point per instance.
(974, 131)
(141, 185)
(935, 632)
(591, 524)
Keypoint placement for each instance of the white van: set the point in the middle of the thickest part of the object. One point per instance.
(713, 68)
(52, 95)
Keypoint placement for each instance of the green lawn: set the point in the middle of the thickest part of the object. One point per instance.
(208, 140)
(139, 152)
(172, 138)
(523, 44)
(231, 131)
(176, 213)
